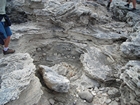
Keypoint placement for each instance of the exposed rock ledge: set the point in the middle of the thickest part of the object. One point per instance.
(17, 73)
(59, 33)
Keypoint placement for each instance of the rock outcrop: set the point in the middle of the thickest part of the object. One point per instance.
(17, 72)
(95, 64)
(130, 88)
(85, 54)
(53, 80)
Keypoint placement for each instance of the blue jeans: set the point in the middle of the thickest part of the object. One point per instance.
(6, 31)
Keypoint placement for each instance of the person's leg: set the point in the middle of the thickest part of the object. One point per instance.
(7, 41)
(2, 33)
(128, 3)
(108, 5)
(7, 34)
(134, 3)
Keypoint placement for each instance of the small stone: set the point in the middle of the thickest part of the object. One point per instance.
(73, 57)
(96, 89)
(86, 95)
(112, 91)
(104, 94)
(51, 101)
(114, 103)
(55, 54)
(38, 49)
(101, 88)
(100, 92)
(44, 54)
(117, 99)
(108, 101)
(93, 93)
(117, 80)
(77, 95)
(138, 84)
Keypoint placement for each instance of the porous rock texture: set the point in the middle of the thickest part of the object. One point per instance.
(53, 80)
(91, 53)
(130, 87)
(17, 72)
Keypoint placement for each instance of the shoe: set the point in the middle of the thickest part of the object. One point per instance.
(108, 6)
(132, 9)
(9, 51)
(127, 5)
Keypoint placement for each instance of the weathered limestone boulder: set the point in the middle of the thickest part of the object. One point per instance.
(31, 95)
(131, 48)
(123, 14)
(95, 64)
(130, 88)
(86, 95)
(16, 73)
(53, 80)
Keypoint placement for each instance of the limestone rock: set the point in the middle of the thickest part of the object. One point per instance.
(130, 91)
(53, 80)
(31, 95)
(131, 48)
(113, 92)
(123, 14)
(86, 95)
(16, 72)
(94, 63)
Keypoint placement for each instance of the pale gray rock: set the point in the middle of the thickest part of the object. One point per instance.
(108, 101)
(131, 48)
(95, 64)
(123, 14)
(86, 95)
(132, 18)
(16, 71)
(113, 92)
(53, 80)
(130, 92)
(52, 101)
(55, 8)
(113, 103)
(36, 0)
(31, 95)
(100, 98)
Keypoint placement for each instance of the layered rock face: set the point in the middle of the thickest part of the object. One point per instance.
(53, 80)
(71, 52)
(17, 73)
(131, 82)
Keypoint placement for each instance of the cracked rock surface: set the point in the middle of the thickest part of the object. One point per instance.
(71, 52)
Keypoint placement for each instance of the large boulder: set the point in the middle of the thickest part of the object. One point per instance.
(130, 88)
(96, 64)
(16, 73)
(122, 13)
(131, 48)
(53, 80)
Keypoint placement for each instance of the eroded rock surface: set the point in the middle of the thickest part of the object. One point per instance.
(17, 71)
(53, 80)
(79, 40)
(131, 79)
